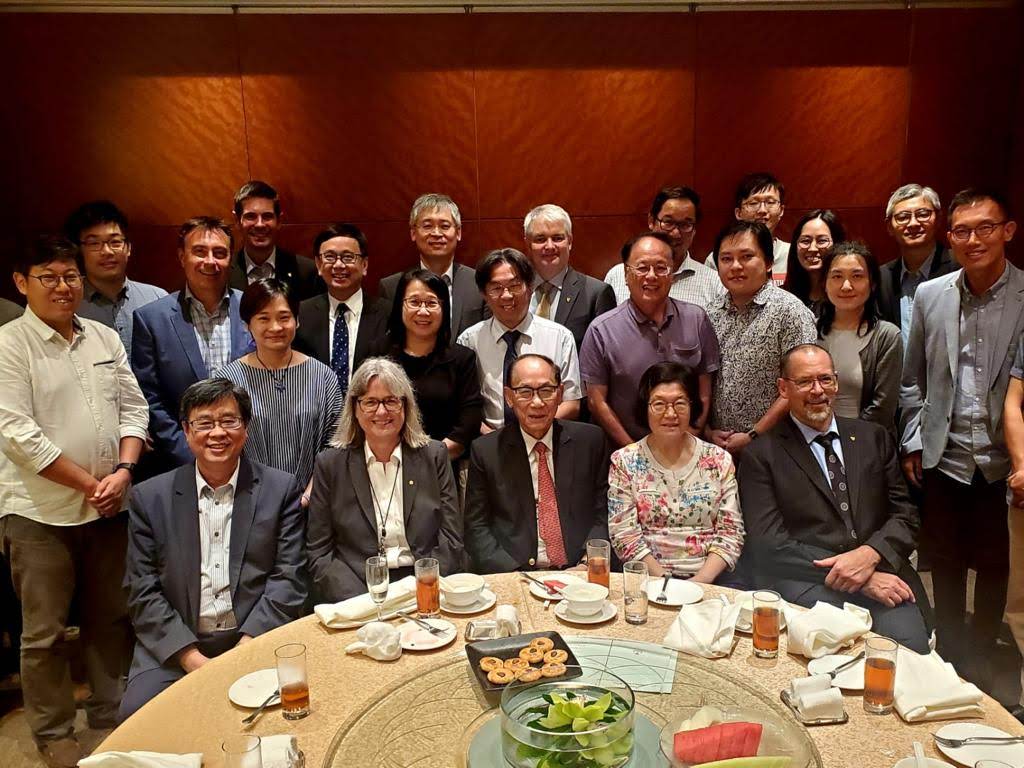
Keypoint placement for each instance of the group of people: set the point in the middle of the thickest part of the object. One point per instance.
(751, 419)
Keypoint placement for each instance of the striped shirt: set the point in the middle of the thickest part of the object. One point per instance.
(290, 427)
(215, 508)
(692, 282)
(213, 331)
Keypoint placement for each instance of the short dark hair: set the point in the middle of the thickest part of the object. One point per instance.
(207, 224)
(797, 281)
(256, 188)
(627, 247)
(784, 362)
(761, 234)
(43, 250)
(761, 181)
(667, 372)
(674, 193)
(91, 214)
(871, 314)
(262, 292)
(510, 256)
(341, 229)
(537, 356)
(396, 328)
(973, 195)
(210, 391)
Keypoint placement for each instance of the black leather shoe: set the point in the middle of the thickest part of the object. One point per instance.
(1018, 712)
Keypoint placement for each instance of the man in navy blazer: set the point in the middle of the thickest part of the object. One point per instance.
(215, 548)
(188, 335)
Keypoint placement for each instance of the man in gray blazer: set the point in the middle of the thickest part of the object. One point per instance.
(215, 548)
(962, 338)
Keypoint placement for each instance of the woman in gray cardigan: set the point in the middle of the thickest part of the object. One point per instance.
(868, 351)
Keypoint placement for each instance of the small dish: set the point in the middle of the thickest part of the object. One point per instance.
(416, 638)
(486, 600)
(509, 647)
(539, 592)
(1011, 754)
(252, 690)
(607, 613)
(850, 679)
(679, 592)
(813, 721)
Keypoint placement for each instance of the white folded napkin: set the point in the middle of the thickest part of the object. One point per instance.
(801, 686)
(377, 640)
(357, 610)
(928, 688)
(825, 629)
(279, 751)
(141, 760)
(704, 629)
(508, 621)
(820, 705)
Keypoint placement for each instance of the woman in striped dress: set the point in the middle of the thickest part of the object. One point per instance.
(295, 398)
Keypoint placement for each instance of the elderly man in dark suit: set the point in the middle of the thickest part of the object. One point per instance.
(827, 513)
(537, 490)
(215, 548)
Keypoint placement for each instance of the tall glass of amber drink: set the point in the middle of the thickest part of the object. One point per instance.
(765, 621)
(428, 587)
(292, 681)
(599, 561)
(879, 674)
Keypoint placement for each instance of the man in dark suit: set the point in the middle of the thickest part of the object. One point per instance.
(826, 508)
(258, 215)
(435, 227)
(560, 293)
(912, 218)
(215, 548)
(537, 491)
(187, 336)
(342, 327)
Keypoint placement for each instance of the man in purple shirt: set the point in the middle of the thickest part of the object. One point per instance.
(648, 328)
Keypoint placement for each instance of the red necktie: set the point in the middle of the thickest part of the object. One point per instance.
(547, 509)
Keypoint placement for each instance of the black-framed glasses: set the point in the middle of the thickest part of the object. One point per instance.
(230, 423)
(95, 245)
(51, 281)
(659, 270)
(923, 216)
(496, 291)
(431, 305)
(752, 206)
(822, 241)
(686, 225)
(546, 393)
(348, 258)
(983, 231)
(825, 381)
(427, 227)
(371, 404)
(658, 407)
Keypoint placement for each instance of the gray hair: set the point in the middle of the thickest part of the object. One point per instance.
(432, 201)
(551, 213)
(392, 376)
(908, 191)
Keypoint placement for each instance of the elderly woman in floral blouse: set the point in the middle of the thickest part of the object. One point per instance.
(672, 498)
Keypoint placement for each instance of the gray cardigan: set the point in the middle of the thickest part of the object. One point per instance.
(881, 363)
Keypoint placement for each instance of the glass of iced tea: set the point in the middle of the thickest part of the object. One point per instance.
(599, 561)
(242, 752)
(428, 587)
(291, 680)
(765, 621)
(879, 674)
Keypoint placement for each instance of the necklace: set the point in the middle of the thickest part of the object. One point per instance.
(277, 376)
(387, 513)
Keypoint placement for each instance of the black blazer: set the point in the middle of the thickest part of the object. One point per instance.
(468, 307)
(343, 530)
(267, 564)
(792, 518)
(501, 510)
(299, 272)
(313, 334)
(889, 286)
(582, 299)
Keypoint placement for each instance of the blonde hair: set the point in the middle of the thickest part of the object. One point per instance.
(350, 433)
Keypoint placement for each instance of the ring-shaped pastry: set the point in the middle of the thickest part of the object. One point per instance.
(528, 675)
(501, 676)
(553, 670)
(532, 654)
(556, 656)
(516, 663)
(490, 663)
(544, 643)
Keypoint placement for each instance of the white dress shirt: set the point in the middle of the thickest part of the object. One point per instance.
(355, 311)
(556, 282)
(216, 613)
(531, 442)
(388, 505)
(817, 449)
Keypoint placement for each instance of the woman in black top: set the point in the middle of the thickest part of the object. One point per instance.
(443, 374)
(814, 237)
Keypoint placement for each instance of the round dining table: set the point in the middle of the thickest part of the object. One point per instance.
(378, 705)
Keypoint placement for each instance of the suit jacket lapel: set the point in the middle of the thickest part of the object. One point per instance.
(411, 479)
(286, 266)
(894, 297)
(361, 484)
(317, 325)
(797, 448)
(570, 291)
(241, 341)
(367, 318)
(243, 511)
(950, 314)
(463, 290)
(238, 279)
(187, 500)
(1005, 337)
(564, 471)
(851, 465)
(517, 463)
(187, 336)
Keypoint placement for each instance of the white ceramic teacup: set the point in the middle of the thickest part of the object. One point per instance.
(462, 589)
(584, 598)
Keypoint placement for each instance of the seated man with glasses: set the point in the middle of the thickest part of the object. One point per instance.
(504, 277)
(650, 327)
(216, 554)
(537, 490)
(761, 197)
(827, 513)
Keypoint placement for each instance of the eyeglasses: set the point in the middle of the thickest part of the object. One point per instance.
(546, 393)
(230, 423)
(822, 242)
(923, 215)
(431, 305)
(345, 257)
(659, 270)
(658, 407)
(983, 231)
(426, 227)
(825, 381)
(371, 404)
(557, 239)
(51, 281)
(687, 225)
(496, 291)
(752, 206)
(115, 244)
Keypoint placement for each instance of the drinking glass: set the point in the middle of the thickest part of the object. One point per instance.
(992, 764)
(634, 591)
(428, 587)
(879, 674)
(291, 680)
(598, 561)
(765, 621)
(377, 580)
(242, 752)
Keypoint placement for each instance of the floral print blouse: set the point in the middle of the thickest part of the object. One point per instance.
(678, 516)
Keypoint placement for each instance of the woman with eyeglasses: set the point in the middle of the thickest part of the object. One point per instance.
(673, 501)
(443, 374)
(814, 237)
(386, 489)
(867, 351)
(295, 398)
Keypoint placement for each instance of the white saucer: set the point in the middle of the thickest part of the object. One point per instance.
(850, 679)
(540, 592)
(1011, 754)
(252, 690)
(608, 612)
(486, 600)
(679, 592)
(415, 638)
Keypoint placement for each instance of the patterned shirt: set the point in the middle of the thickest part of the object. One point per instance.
(118, 314)
(692, 282)
(753, 339)
(215, 507)
(213, 331)
(678, 516)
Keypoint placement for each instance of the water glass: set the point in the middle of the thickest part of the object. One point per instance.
(377, 580)
(992, 764)
(291, 681)
(879, 674)
(599, 562)
(428, 587)
(634, 591)
(766, 621)
(242, 752)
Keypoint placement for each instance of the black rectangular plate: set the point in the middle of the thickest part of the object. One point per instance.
(508, 647)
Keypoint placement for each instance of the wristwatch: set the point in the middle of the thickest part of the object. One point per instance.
(130, 466)
(752, 434)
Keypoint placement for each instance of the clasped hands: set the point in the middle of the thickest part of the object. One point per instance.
(106, 496)
(854, 571)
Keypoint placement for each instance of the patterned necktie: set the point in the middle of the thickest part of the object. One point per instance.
(339, 350)
(547, 510)
(837, 477)
(547, 292)
(510, 338)
(261, 271)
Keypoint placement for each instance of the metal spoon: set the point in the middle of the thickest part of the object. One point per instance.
(266, 703)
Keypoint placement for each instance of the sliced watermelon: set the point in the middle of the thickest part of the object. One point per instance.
(718, 742)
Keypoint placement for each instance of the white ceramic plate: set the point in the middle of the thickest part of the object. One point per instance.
(415, 638)
(1011, 754)
(252, 690)
(486, 600)
(608, 612)
(538, 591)
(850, 679)
(929, 762)
(679, 592)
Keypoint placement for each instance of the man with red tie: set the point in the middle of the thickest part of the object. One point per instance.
(538, 489)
